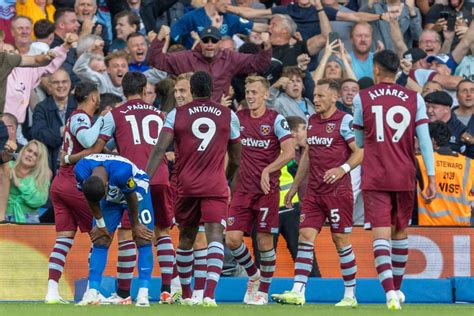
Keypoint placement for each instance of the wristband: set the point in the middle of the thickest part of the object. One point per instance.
(346, 167)
(100, 222)
(319, 10)
(380, 17)
(66, 160)
(402, 79)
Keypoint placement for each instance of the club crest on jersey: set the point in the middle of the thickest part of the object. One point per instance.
(130, 183)
(265, 129)
(230, 221)
(330, 127)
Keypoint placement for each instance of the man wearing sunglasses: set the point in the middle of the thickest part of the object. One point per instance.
(207, 56)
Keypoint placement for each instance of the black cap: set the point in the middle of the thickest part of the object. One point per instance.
(211, 32)
(439, 97)
(416, 54)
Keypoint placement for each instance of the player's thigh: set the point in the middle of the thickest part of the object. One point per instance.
(214, 210)
(188, 212)
(339, 211)
(404, 202)
(312, 213)
(241, 217)
(145, 212)
(112, 214)
(267, 207)
(378, 209)
(164, 216)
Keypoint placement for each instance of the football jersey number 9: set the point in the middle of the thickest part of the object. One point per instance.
(207, 136)
(399, 127)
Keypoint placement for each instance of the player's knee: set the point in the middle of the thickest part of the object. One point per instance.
(103, 242)
(142, 242)
(340, 240)
(307, 235)
(201, 241)
(265, 242)
(232, 241)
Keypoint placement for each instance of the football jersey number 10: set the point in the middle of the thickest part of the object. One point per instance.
(399, 127)
(145, 128)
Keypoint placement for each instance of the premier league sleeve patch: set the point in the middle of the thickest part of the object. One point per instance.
(130, 184)
(284, 125)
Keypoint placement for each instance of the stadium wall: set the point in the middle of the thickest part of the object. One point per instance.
(435, 253)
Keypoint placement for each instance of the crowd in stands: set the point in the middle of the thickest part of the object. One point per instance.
(293, 44)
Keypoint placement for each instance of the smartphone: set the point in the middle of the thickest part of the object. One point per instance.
(409, 57)
(444, 15)
(334, 36)
(451, 22)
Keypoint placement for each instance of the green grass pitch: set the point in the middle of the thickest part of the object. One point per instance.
(39, 309)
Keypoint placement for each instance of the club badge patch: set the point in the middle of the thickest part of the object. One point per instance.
(265, 129)
(230, 221)
(130, 183)
(302, 218)
(330, 127)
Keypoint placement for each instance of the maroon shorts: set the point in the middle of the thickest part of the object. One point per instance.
(194, 210)
(160, 198)
(248, 209)
(70, 206)
(125, 223)
(386, 208)
(337, 210)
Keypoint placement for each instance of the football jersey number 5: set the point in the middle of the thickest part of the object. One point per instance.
(399, 127)
(206, 136)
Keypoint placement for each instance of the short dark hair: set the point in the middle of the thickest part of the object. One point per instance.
(43, 28)
(201, 84)
(83, 90)
(108, 99)
(132, 18)
(59, 13)
(133, 83)
(294, 122)
(333, 84)
(135, 34)
(93, 189)
(440, 133)
(461, 82)
(387, 60)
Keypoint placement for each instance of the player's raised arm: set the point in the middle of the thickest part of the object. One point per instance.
(426, 147)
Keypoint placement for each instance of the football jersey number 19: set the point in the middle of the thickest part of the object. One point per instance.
(399, 127)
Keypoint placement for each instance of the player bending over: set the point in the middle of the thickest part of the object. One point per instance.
(112, 184)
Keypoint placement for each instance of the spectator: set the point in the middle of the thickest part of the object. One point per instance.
(212, 14)
(165, 93)
(86, 15)
(286, 95)
(361, 55)
(8, 126)
(90, 43)
(35, 9)
(65, 21)
(50, 115)
(407, 16)
(7, 9)
(21, 31)
(335, 63)
(109, 101)
(455, 7)
(455, 179)
(222, 65)
(438, 106)
(137, 48)
(465, 112)
(431, 86)
(22, 81)
(109, 82)
(44, 34)
(343, 28)
(308, 17)
(97, 63)
(29, 184)
(126, 23)
(349, 89)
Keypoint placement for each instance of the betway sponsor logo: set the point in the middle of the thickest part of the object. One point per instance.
(315, 140)
(250, 142)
